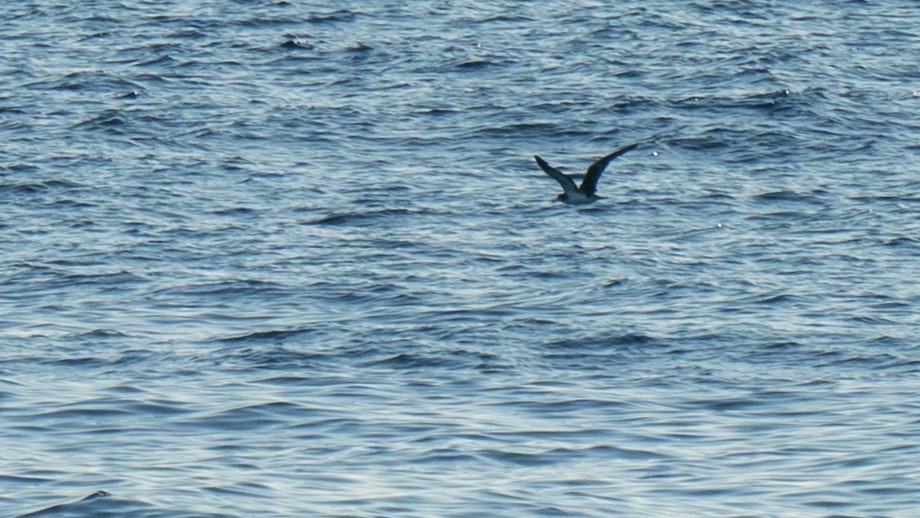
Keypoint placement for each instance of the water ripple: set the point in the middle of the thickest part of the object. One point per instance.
(274, 258)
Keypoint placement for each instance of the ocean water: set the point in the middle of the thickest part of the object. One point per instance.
(294, 258)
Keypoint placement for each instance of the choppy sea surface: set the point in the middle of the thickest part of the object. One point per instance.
(294, 258)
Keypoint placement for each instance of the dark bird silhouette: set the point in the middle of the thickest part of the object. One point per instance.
(584, 193)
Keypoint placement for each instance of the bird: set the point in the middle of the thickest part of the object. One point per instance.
(584, 193)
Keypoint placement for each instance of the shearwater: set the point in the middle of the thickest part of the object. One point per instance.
(584, 193)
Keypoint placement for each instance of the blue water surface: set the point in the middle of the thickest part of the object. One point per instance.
(294, 258)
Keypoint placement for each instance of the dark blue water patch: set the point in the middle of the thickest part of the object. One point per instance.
(30, 187)
(519, 458)
(444, 457)
(105, 280)
(902, 241)
(82, 362)
(102, 504)
(108, 121)
(362, 219)
(242, 419)
(32, 480)
(475, 65)
(408, 361)
(274, 336)
(191, 33)
(360, 49)
(779, 298)
(773, 102)
(603, 343)
(163, 61)
(21, 167)
(297, 44)
(791, 196)
(540, 402)
(311, 356)
(95, 414)
(236, 212)
(68, 509)
(727, 405)
(454, 360)
(226, 288)
(166, 409)
(537, 130)
(710, 141)
(341, 15)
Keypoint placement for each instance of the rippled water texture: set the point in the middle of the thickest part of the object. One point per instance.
(295, 259)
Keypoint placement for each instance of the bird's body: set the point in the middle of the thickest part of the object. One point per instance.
(584, 193)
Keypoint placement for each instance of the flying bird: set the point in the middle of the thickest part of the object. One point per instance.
(584, 193)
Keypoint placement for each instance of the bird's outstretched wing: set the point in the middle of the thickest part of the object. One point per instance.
(589, 184)
(567, 184)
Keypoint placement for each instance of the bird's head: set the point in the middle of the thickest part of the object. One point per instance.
(562, 197)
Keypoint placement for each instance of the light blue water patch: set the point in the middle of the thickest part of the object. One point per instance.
(288, 259)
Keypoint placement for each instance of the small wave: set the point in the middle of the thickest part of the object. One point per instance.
(269, 355)
(438, 111)
(358, 217)
(900, 241)
(703, 143)
(190, 33)
(522, 459)
(727, 405)
(594, 351)
(527, 130)
(296, 44)
(504, 18)
(443, 455)
(228, 287)
(410, 361)
(777, 299)
(103, 333)
(104, 278)
(90, 415)
(234, 211)
(261, 336)
(165, 59)
(86, 80)
(610, 452)
(773, 101)
(787, 195)
(108, 120)
(71, 508)
(782, 345)
(342, 15)
(603, 342)
(359, 48)
(248, 417)
(34, 187)
(474, 65)
(102, 504)
(26, 480)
